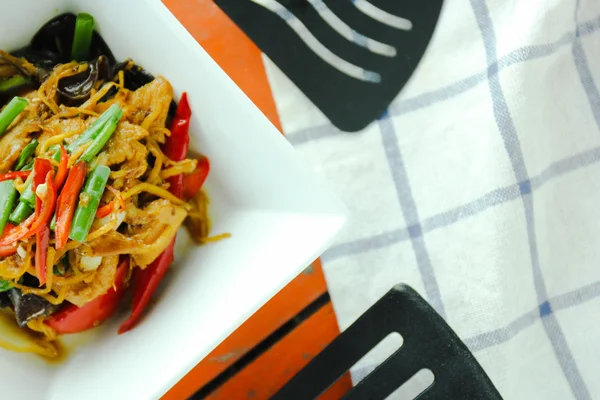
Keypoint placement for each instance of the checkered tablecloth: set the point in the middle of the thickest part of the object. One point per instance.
(480, 187)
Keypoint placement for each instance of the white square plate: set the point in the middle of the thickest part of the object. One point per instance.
(281, 217)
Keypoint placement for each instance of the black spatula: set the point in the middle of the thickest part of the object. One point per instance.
(429, 343)
(351, 78)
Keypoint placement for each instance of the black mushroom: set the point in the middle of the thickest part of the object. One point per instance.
(52, 44)
(29, 306)
(76, 89)
(5, 300)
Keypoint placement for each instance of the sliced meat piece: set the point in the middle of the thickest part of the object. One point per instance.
(136, 216)
(83, 292)
(151, 231)
(152, 102)
(158, 233)
(114, 243)
(73, 126)
(121, 145)
(135, 166)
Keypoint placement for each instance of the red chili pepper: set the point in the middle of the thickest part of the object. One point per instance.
(46, 206)
(146, 281)
(44, 209)
(194, 181)
(13, 175)
(67, 202)
(73, 319)
(41, 167)
(42, 174)
(104, 210)
(12, 235)
(63, 168)
(42, 240)
(8, 250)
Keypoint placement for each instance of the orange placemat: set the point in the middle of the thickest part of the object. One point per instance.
(268, 371)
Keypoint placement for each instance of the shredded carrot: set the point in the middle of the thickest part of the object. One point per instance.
(38, 325)
(156, 111)
(183, 167)
(77, 153)
(58, 139)
(30, 290)
(155, 190)
(73, 279)
(117, 195)
(96, 97)
(160, 159)
(216, 238)
(103, 229)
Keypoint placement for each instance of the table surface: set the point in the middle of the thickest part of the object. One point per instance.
(294, 326)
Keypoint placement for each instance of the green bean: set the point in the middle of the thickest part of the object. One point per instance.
(95, 128)
(8, 195)
(86, 210)
(12, 83)
(5, 285)
(107, 130)
(21, 213)
(82, 39)
(28, 196)
(10, 112)
(26, 154)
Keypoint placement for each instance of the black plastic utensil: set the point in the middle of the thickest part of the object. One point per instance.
(350, 102)
(428, 343)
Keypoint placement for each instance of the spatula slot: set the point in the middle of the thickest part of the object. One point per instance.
(383, 16)
(350, 34)
(316, 45)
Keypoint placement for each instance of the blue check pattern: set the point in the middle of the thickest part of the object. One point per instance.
(525, 186)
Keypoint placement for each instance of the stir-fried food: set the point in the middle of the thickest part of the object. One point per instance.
(95, 181)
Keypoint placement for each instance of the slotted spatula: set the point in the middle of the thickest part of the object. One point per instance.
(351, 78)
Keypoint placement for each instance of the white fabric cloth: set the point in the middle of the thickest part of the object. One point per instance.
(480, 188)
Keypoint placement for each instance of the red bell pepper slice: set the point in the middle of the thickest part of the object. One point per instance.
(73, 319)
(194, 181)
(176, 146)
(63, 168)
(146, 281)
(67, 202)
(13, 175)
